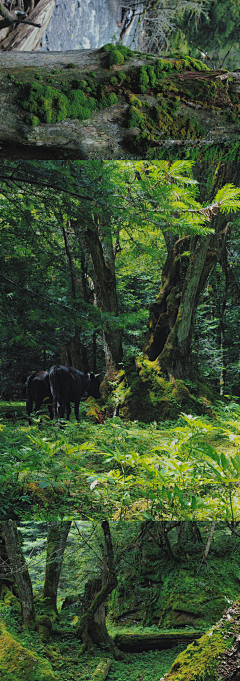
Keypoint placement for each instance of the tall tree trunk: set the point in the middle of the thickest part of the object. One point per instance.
(75, 350)
(183, 278)
(98, 241)
(20, 571)
(56, 543)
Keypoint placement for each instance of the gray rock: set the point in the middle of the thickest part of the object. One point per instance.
(88, 24)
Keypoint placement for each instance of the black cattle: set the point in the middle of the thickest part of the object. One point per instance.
(69, 385)
(38, 390)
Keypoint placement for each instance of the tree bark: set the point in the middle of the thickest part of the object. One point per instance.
(106, 134)
(20, 571)
(56, 543)
(7, 578)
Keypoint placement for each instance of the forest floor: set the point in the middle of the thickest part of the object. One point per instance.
(123, 466)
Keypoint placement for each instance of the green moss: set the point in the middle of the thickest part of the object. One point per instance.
(53, 105)
(18, 662)
(152, 75)
(38, 77)
(81, 83)
(136, 118)
(143, 79)
(134, 100)
(70, 66)
(112, 99)
(77, 100)
(115, 58)
(44, 625)
(32, 120)
(121, 76)
(160, 399)
(117, 54)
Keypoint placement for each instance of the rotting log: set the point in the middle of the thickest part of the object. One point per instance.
(101, 670)
(133, 127)
(136, 643)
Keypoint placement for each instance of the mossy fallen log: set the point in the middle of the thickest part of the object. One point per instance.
(101, 670)
(136, 643)
(112, 103)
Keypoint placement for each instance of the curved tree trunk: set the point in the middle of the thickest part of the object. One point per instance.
(172, 313)
(75, 351)
(92, 625)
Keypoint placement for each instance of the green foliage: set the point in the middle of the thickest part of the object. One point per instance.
(215, 35)
(162, 592)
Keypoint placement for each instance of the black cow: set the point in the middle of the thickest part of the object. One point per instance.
(38, 390)
(69, 385)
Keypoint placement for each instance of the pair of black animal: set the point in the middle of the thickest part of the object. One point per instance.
(58, 389)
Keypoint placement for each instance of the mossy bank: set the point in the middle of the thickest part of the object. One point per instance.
(160, 399)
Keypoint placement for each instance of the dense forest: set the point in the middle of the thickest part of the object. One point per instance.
(119, 289)
(130, 269)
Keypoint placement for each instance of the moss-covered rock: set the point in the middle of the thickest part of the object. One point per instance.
(18, 662)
